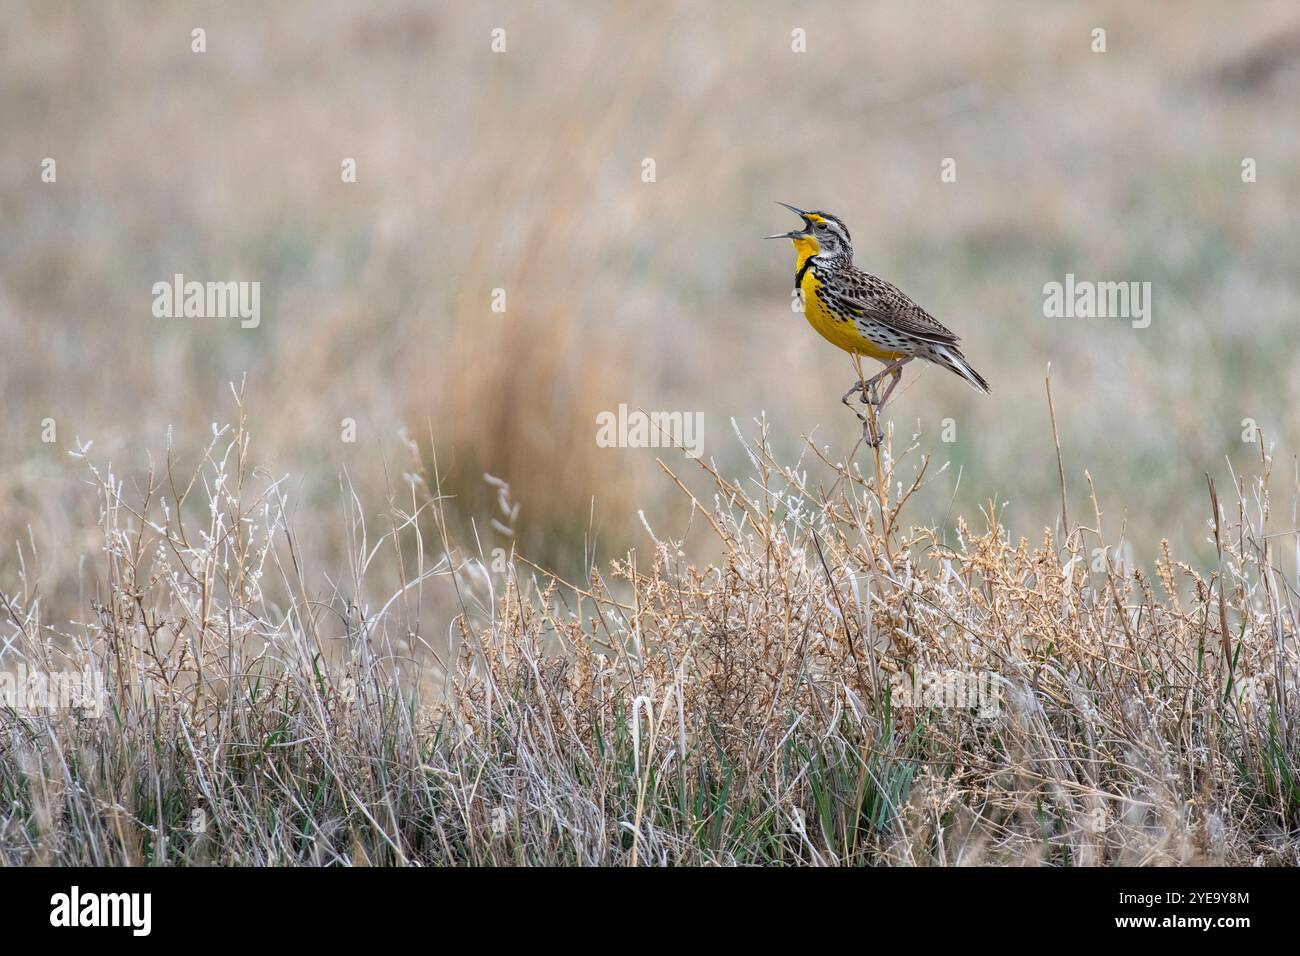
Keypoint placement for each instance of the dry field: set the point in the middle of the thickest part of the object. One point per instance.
(458, 629)
(840, 688)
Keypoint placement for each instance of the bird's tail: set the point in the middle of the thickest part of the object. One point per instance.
(950, 357)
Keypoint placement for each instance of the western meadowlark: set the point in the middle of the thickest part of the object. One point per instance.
(865, 315)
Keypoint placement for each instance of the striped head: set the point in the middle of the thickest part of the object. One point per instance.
(822, 235)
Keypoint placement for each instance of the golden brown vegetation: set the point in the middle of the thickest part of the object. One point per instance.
(793, 703)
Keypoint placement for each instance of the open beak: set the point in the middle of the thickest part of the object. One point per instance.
(794, 233)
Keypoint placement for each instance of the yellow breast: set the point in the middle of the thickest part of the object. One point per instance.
(840, 330)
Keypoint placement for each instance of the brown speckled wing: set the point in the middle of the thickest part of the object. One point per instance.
(865, 295)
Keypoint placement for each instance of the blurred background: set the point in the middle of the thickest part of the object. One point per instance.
(523, 171)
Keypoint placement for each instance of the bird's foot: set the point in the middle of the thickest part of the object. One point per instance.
(870, 431)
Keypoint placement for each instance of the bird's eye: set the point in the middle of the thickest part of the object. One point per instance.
(821, 226)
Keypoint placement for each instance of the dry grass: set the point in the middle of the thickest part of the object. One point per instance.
(752, 711)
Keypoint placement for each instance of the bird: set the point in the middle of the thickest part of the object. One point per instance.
(864, 315)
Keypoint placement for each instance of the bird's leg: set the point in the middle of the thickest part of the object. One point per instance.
(870, 431)
(875, 401)
(896, 370)
(893, 368)
(857, 387)
(867, 389)
(869, 393)
(896, 376)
